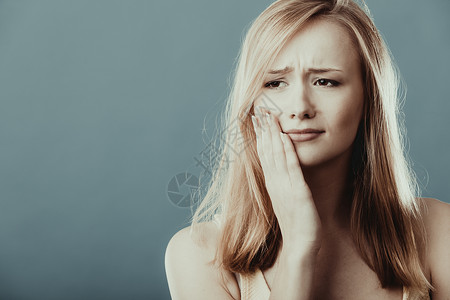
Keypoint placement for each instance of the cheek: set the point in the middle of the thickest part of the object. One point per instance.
(345, 120)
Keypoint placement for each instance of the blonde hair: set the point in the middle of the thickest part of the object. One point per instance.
(386, 217)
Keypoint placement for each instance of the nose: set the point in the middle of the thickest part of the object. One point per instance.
(300, 105)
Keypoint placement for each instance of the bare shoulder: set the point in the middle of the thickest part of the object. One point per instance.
(436, 217)
(437, 222)
(190, 271)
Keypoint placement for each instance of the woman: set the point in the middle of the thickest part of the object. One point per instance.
(318, 201)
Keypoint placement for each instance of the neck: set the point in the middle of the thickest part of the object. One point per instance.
(331, 187)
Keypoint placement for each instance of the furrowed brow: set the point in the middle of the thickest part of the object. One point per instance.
(281, 71)
(322, 70)
(288, 69)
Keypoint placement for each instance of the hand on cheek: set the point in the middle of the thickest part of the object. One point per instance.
(290, 196)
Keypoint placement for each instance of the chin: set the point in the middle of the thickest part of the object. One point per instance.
(310, 158)
(314, 157)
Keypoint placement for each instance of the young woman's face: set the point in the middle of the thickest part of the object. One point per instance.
(320, 88)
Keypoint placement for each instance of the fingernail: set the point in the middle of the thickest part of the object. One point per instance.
(267, 116)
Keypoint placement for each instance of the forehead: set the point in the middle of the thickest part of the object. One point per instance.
(319, 43)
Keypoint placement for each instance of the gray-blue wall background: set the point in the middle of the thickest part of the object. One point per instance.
(104, 101)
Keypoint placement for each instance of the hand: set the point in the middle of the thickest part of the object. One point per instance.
(291, 197)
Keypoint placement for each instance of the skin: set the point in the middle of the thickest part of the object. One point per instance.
(331, 101)
(308, 181)
(308, 184)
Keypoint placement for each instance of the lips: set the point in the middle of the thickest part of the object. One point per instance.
(304, 135)
(304, 131)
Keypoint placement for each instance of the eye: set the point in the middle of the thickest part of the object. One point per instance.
(327, 82)
(274, 84)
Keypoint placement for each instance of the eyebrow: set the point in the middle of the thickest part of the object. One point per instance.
(281, 71)
(289, 69)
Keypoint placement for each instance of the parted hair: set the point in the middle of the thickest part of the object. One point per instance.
(386, 214)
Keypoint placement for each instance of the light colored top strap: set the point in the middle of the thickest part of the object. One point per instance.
(408, 295)
(254, 286)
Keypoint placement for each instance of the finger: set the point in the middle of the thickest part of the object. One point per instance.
(277, 145)
(256, 128)
(259, 114)
(292, 162)
(266, 139)
(258, 131)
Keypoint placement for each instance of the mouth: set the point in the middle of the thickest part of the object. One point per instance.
(303, 131)
(304, 135)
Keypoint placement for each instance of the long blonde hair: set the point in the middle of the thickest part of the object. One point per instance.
(386, 214)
